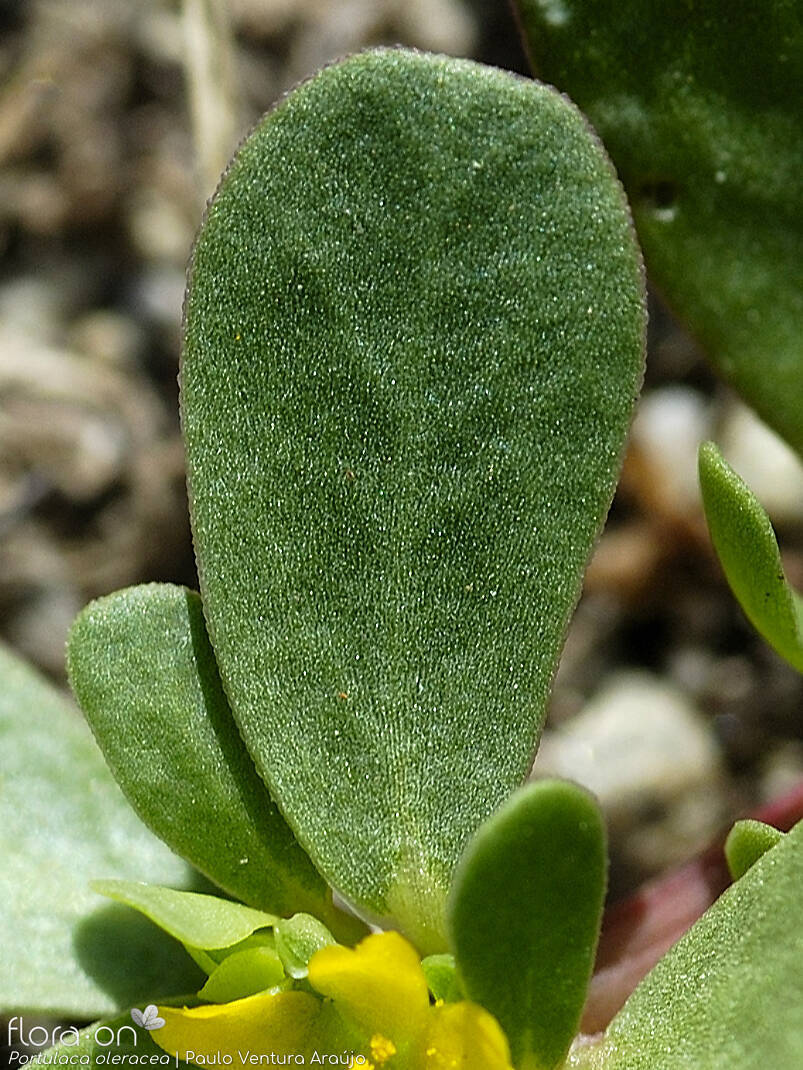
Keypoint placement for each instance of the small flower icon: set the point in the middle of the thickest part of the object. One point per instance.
(149, 1018)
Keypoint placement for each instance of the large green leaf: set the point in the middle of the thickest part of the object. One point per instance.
(748, 551)
(728, 994)
(698, 103)
(413, 340)
(525, 914)
(143, 670)
(63, 821)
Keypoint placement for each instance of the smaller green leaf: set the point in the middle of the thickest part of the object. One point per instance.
(524, 915)
(202, 959)
(747, 841)
(200, 921)
(748, 551)
(441, 974)
(244, 973)
(297, 940)
(143, 669)
(260, 938)
(210, 958)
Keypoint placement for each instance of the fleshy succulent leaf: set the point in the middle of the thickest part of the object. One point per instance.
(210, 958)
(414, 332)
(747, 841)
(748, 551)
(699, 108)
(441, 974)
(244, 973)
(145, 675)
(525, 914)
(728, 993)
(201, 921)
(297, 940)
(63, 820)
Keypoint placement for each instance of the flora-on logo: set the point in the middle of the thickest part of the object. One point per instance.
(149, 1018)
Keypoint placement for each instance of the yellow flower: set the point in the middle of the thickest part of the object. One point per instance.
(375, 1006)
(379, 984)
(466, 1036)
(381, 987)
(281, 1022)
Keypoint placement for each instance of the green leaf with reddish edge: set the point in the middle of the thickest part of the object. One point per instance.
(728, 993)
(142, 668)
(699, 106)
(748, 551)
(747, 841)
(413, 338)
(525, 913)
(63, 820)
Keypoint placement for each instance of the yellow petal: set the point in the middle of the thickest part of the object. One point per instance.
(464, 1036)
(280, 1022)
(379, 984)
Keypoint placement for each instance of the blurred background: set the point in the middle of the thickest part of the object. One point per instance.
(115, 120)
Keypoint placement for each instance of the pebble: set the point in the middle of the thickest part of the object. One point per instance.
(158, 296)
(670, 424)
(32, 305)
(771, 469)
(645, 751)
(108, 337)
(782, 770)
(159, 228)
